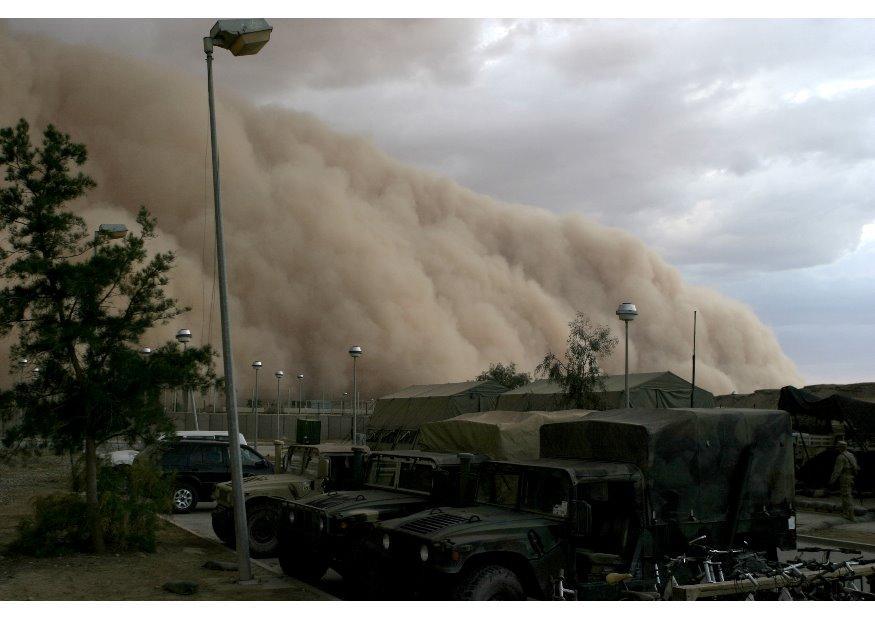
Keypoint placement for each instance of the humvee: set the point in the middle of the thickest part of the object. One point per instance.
(325, 530)
(616, 493)
(308, 470)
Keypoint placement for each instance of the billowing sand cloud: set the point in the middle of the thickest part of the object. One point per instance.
(331, 243)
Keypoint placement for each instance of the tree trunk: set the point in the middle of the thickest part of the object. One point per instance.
(91, 494)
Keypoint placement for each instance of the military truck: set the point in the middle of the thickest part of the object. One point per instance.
(616, 493)
(308, 470)
(325, 530)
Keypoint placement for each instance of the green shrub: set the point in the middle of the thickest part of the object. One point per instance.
(130, 500)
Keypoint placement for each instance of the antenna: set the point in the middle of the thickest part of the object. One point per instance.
(693, 390)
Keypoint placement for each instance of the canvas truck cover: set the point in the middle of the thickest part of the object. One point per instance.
(812, 413)
(699, 461)
(501, 435)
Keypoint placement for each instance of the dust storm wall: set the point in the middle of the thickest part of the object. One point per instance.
(331, 243)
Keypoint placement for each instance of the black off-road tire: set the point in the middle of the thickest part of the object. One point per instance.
(184, 497)
(490, 583)
(302, 565)
(261, 525)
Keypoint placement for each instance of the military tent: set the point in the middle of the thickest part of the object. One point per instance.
(657, 390)
(503, 435)
(398, 417)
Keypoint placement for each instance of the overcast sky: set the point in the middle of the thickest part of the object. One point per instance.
(741, 150)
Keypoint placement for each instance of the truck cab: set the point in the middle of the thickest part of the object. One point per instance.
(325, 530)
(616, 493)
(307, 470)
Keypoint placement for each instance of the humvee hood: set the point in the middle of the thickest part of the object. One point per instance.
(347, 501)
(456, 523)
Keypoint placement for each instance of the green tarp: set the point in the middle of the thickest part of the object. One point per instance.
(655, 390)
(698, 462)
(398, 417)
(501, 435)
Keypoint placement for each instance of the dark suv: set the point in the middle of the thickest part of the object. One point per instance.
(198, 465)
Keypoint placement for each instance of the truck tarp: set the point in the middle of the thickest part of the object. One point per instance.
(812, 414)
(696, 461)
(502, 435)
(647, 390)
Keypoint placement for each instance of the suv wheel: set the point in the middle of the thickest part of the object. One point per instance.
(261, 521)
(184, 498)
(490, 583)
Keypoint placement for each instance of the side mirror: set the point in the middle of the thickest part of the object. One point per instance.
(322, 471)
(583, 516)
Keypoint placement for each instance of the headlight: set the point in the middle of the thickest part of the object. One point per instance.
(291, 517)
(386, 542)
(423, 553)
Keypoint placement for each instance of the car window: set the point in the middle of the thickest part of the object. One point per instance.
(499, 487)
(547, 492)
(295, 460)
(174, 456)
(312, 468)
(249, 457)
(417, 476)
(207, 456)
(383, 472)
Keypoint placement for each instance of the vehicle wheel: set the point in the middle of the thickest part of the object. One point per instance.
(490, 583)
(184, 498)
(261, 522)
(302, 565)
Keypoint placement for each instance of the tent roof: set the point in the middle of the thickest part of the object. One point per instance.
(613, 383)
(439, 389)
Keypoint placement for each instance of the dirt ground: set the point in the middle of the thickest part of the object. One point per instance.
(129, 576)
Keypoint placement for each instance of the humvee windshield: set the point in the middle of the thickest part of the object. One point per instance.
(536, 489)
(312, 466)
(404, 474)
(295, 459)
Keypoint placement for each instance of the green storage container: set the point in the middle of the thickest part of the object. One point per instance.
(308, 432)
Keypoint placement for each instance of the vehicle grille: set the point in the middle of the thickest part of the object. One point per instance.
(432, 523)
(333, 500)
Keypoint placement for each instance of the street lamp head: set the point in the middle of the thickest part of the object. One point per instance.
(113, 231)
(183, 335)
(355, 351)
(23, 361)
(146, 351)
(279, 374)
(301, 377)
(627, 311)
(346, 393)
(242, 37)
(256, 364)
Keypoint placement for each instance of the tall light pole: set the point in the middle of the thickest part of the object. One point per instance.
(300, 391)
(279, 376)
(184, 336)
(627, 312)
(354, 352)
(242, 37)
(257, 366)
(693, 390)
